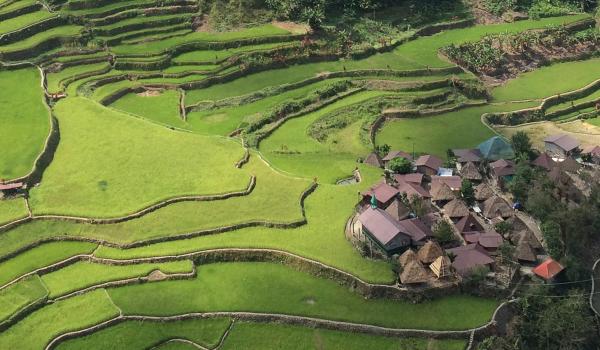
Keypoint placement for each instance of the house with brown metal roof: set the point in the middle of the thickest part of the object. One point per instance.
(502, 168)
(412, 189)
(467, 155)
(593, 152)
(374, 159)
(398, 210)
(415, 178)
(469, 257)
(383, 230)
(490, 241)
(395, 154)
(384, 193)
(454, 182)
(561, 145)
(468, 224)
(544, 161)
(428, 164)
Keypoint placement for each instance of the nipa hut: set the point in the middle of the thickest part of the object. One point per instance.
(469, 171)
(413, 273)
(495, 207)
(441, 267)
(483, 192)
(456, 209)
(524, 252)
(440, 191)
(407, 257)
(429, 252)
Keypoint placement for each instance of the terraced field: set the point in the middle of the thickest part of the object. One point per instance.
(180, 185)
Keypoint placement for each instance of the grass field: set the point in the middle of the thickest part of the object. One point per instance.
(272, 288)
(206, 333)
(25, 121)
(39, 328)
(19, 22)
(534, 85)
(255, 336)
(20, 295)
(163, 108)
(115, 151)
(84, 274)
(12, 209)
(56, 80)
(436, 134)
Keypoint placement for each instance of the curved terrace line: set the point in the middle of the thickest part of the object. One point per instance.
(137, 214)
(293, 320)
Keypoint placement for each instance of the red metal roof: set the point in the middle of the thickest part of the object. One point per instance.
(548, 269)
(12, 186)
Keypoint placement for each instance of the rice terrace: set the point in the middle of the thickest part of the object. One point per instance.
(299, 174)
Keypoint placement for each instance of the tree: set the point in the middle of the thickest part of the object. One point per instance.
(467, 192)
(540, 202)
(417, 206)
(382, 150)
(507, 252)
(400, 165)
(521, 143)
(502, 227)
(552, 236)
(443, 232)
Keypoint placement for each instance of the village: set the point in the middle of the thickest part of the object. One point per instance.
(443, 223)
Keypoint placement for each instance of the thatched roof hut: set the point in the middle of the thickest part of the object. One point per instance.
(524, 252)
(469, 171)
(530, 238)
(440, 191)
(414, 272)
(483, 192)
(429, 252)
(374, 159)
(407, 257)
(456, 209)
(441, 267)
(495, 207)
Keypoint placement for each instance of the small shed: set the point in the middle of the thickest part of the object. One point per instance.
(441, 267)
(548, 269)
(413, 273)
(495, 207)
(408, 256)
(374, 159)
(561, 145)
(467, 155)
(483, 191)
(456, 208)
(469, 171)
(428, 164)
(544, 161)
(469, 224)
(429, 252)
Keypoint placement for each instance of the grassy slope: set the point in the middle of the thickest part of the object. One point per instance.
(84, 274)
(12, 209)
(22, 21)
(275, 198)
(57, 32)
(19, 295)
(157, 47)
(115, 153)
(148, 334)
(39, 328)
(273, 288)
(25, 123)
(564, 77)
(312, 158)
(39, 257)
(55, 79)
(436, 134)
(258, 336)
(163, 109)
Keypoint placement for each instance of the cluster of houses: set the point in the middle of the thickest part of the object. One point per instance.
(388, 225)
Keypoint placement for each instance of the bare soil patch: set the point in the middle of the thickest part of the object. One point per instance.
(150, 93)
(296, 28)
(156, 275)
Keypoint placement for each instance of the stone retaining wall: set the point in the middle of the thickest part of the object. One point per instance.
(20, 11)
(31, 30)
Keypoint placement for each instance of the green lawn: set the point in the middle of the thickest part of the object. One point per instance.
(274, 288)
(101, 166)
(25, 121)
(39, 257)
(436, 134)
(206, 333)
(565, 77)
(12, 209)
(85, 274)
(39, 328)
(20, 295)
(259, 336)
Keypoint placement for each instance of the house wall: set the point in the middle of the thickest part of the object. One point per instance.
(554, 150)
(426, 171)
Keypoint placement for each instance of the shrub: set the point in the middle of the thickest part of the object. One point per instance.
(400, 165)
